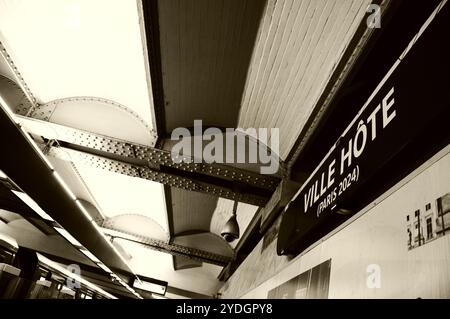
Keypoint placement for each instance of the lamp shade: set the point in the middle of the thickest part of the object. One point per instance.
(230, 230)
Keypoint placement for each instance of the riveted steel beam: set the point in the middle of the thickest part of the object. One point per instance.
(153, 175)
(153, 164)
(25, 108)
(173, 249)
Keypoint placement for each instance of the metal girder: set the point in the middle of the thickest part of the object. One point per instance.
(153, 164)
(173, 249)
(25, 108)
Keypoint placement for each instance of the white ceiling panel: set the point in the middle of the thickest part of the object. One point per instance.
(118, 194)
(66, 48)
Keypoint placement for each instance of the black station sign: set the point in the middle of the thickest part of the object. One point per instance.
(413, 93)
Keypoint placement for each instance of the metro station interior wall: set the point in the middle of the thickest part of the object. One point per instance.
(376, 235)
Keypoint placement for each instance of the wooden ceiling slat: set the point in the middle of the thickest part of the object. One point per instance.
(298, 47)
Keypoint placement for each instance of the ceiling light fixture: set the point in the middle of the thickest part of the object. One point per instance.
(9, 240)
(3, 175)
(8, 110)
(104, 267)
(89, 255)
(64, 185)
(230, 231)
(83, 210)
(32, 204)
(67, 236)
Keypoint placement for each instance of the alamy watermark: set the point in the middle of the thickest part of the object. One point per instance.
(373, 21)
(213, 145)
(373, 280)
(71, 282)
